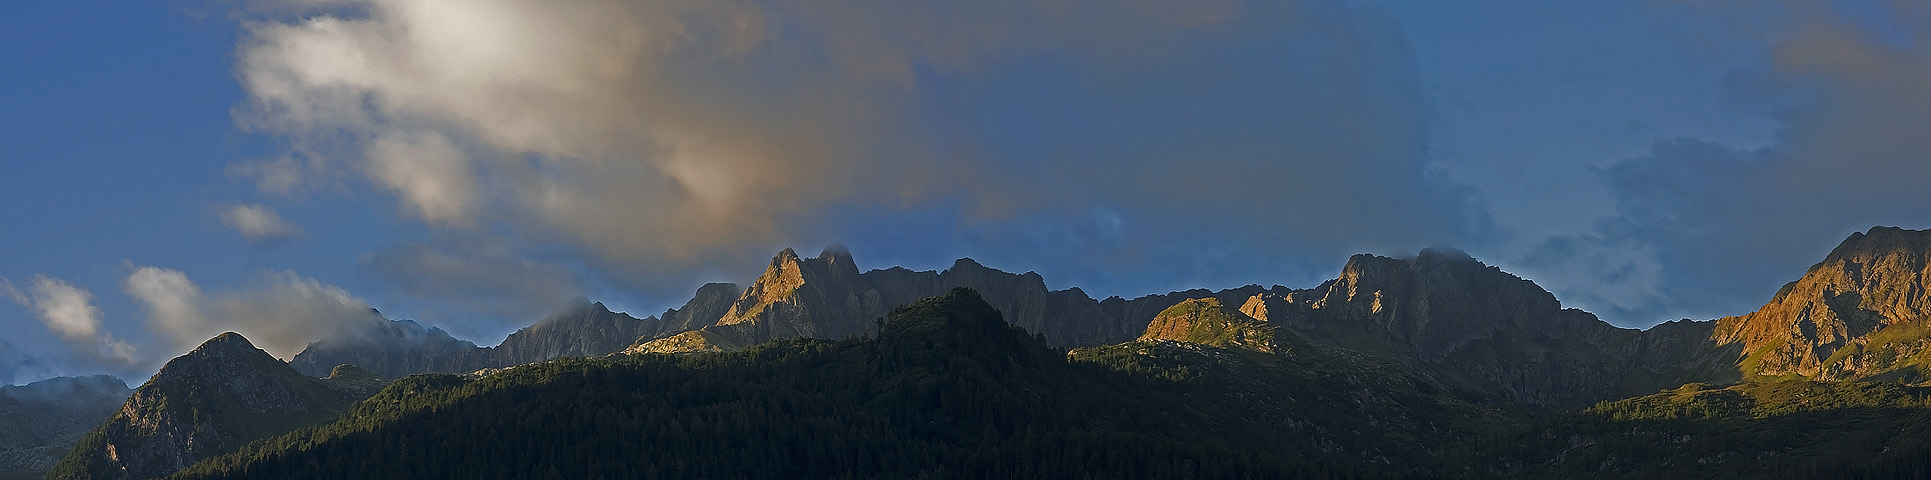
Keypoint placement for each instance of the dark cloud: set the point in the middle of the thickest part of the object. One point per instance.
(1704, 229)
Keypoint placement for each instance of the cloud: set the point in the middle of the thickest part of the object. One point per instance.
(482, 277)
(664, 137)
(257, 223)
(282, 313)
(1705, 229)
(69, 312)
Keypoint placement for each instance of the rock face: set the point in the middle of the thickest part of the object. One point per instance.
(1861, 312)
(43, 420)
(223, 394)
(1205, 321)
(709, 304)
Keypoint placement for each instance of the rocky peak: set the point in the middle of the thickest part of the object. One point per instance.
(1206, 321)
(228, 350)
(1829, 323)
(1440, 299)
(587, 329)
(225, 343)
(221, 395)
(797, 297)
(783, 277)
(705, 307)
(838, 260)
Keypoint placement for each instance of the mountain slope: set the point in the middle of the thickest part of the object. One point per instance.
(41, 421)
(1864, 310)
(218, 397)
(946, 389)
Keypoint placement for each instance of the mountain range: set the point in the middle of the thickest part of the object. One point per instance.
(1434, 365)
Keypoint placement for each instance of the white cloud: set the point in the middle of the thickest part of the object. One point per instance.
(257, 223)
(172, 303)
(281, 313)
(69, 312)
(281, 176)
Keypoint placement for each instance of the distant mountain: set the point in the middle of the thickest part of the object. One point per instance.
(391, 349)
(41, 421)
(1864, 311)
(214, 399)
(396, 348)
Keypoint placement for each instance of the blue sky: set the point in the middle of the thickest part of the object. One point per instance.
(175, 169)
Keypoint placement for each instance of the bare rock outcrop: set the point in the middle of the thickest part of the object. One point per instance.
(1860, 312)
(1206, 321)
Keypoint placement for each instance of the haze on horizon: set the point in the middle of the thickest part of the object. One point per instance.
(178, 169)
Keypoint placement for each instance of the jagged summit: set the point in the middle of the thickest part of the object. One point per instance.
(838, 258)
(966, 263)
(227, 350)
(227, 340)
(1879, 240)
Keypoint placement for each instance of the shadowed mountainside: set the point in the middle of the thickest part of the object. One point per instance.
(212, 400)
(41, 421)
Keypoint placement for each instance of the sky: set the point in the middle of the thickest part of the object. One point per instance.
(171, 170)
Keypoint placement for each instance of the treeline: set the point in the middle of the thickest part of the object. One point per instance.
(1785, 429)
